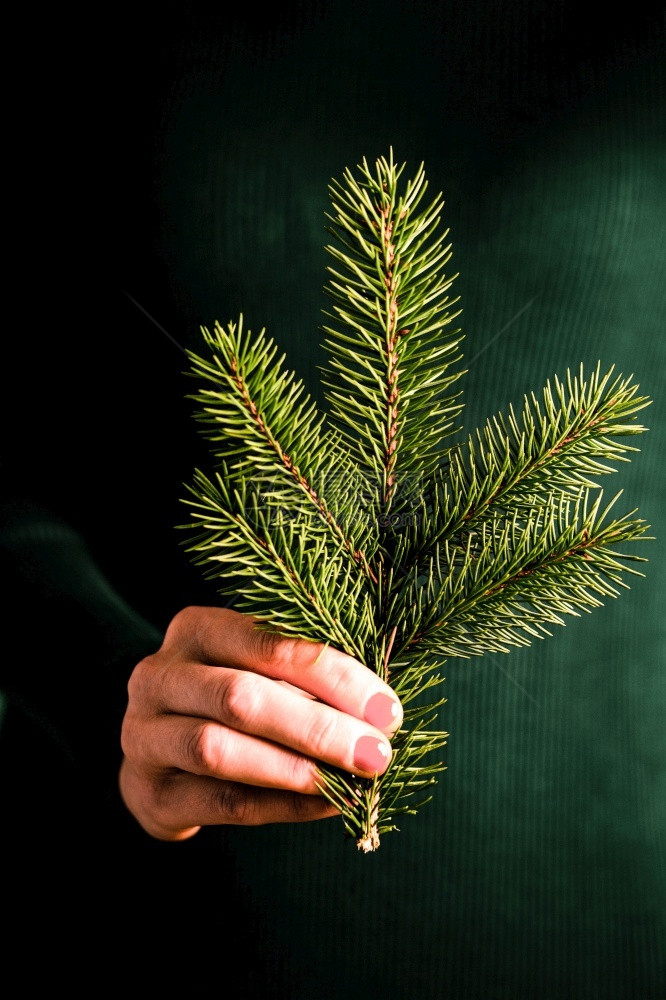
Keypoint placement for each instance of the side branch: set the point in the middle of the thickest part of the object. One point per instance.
(516, 582)
(296, 474)
(557, 450)
(262, 548)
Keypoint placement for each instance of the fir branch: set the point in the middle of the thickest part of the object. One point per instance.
(556, 445)
(517, 576)
(371, 527)
(280, 570)
(256, 415)
(389, 372)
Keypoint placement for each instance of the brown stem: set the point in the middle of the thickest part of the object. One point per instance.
(393, 337)
(358, 556)
(370, 841)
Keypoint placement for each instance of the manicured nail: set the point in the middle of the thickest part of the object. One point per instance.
(371, 754)
(381, 710)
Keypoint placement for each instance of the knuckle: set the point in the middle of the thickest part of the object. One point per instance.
(300, 774)
(266, 643)
(234, 804)
(187, 622)
(140, 676)
(157, 795)
(239, 700)
(344, 674)
(128, 742)
(320, 734)
(184, 618)
(202, 749)
(164, 800)
(273, 649)
(341, 677)
(301, 806)
(146, 685)
(151, 798)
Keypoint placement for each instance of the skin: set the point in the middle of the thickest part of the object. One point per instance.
(225, 723)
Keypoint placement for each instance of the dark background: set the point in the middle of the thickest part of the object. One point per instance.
(170, 169)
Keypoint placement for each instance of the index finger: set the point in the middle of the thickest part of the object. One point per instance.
(230, 639)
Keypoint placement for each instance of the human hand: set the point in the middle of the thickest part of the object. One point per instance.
(225, 724)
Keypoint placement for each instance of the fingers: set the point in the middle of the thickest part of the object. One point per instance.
(227, 638)
(177, 806)
(260, 733)
(205, 748)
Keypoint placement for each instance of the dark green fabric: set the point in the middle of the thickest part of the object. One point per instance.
(538, 870)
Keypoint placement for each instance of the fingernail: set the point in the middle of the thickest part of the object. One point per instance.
(381, 710)
(371, 754)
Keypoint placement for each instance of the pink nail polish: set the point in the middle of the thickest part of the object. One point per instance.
(371, 754)
(381, 710)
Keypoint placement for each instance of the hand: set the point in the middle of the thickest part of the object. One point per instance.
(226, 724)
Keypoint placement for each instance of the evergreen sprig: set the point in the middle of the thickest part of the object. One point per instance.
(375, 526)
